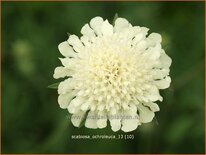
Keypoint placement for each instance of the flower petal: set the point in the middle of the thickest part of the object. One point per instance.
(85, 40)
(130, 124)
(139, 37)
(61, 72)
(131, 121)
(75, 104)
(85, 106)
(120, 24)
(96, 25)
(107, 28)
(160, 73)
(102, 121)
(65, 86)
(77, 118)
(66, 50)
(87, 31)
(163, 83)
(65, 99)
(152, 94)
(91, 121)
(67, 62)
(154, 51)
(153, 39)
(144, 30)
(145, 115)
(153, 106)
(141, 46)
(115, 122)
(76, 43)
(165, 60)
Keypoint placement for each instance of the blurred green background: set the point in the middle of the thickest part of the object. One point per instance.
(32, 121)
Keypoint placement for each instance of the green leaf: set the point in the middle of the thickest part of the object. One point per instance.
(156, 121)
(114, 19)
(68, 34)
(54, 85)
(83, 119)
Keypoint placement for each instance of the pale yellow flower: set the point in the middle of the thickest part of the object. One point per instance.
(112, 73)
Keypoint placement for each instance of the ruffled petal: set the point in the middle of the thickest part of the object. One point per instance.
(91, 121)
(85, 40)
(75, 104)
(152, 94)
(115, 122)
(154, 52)
(96, 25)
(153, 106)
(85, 106)
(66, 50)
(139, 37)
(61, 72)
(76, 43)
(130, 124)
(120, 24)
(65, 86)
(102, 120)
(67, 62)
(153, 39)
(165, 60)
(163, 83)
(65, 99)
(107, 28)
(142, 45)
(144, 30)
(87, 31)
(145, 114)
(160, 73)
(131, 120)
(77, 118)
(131, 33)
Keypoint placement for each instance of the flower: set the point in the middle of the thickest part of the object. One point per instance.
(112, 73)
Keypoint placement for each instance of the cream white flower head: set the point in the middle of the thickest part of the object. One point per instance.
(113, 75)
